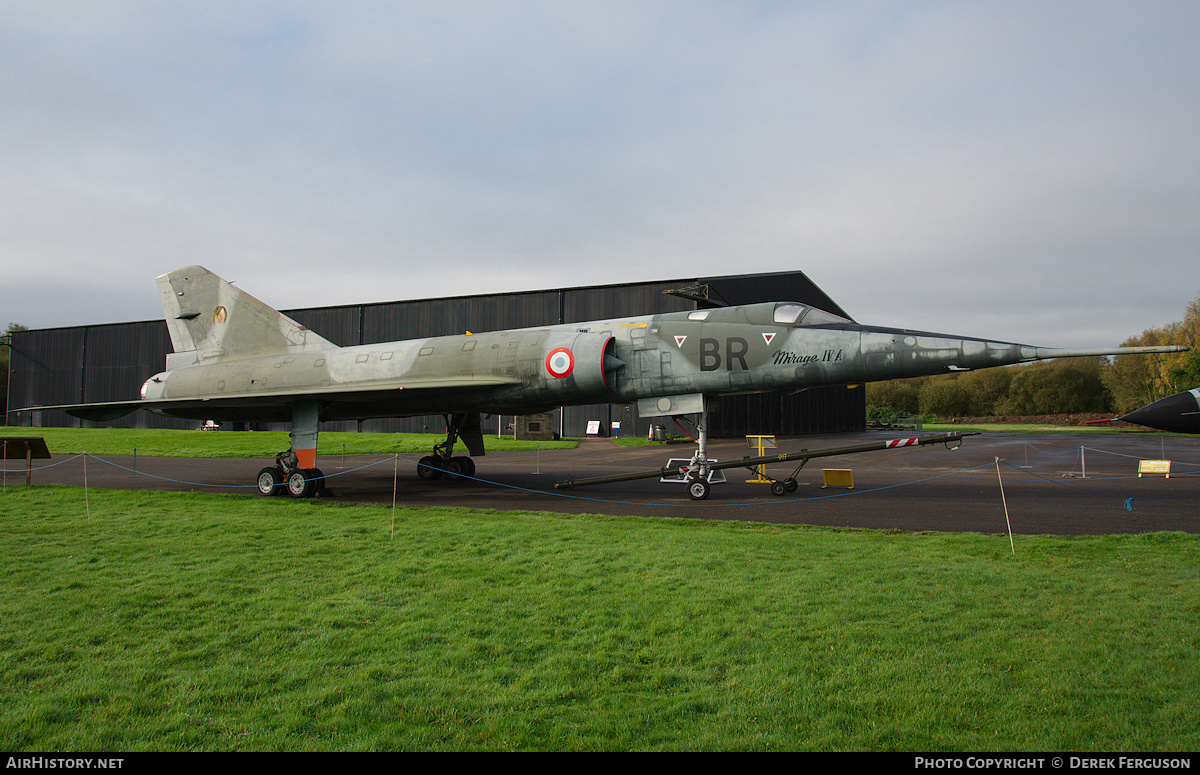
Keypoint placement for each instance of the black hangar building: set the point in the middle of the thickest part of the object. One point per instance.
(109, 362)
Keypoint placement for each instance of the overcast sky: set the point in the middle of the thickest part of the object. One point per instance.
(1017, 171)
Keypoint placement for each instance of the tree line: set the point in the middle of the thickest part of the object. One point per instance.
(1066, 386)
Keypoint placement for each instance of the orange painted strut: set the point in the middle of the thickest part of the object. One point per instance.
(306, 458)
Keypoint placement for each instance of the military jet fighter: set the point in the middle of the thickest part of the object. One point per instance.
(237, 359)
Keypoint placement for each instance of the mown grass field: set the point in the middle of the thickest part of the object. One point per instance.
(213, 444)
(163, 621)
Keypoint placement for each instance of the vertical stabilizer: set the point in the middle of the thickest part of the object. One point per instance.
(216, 321)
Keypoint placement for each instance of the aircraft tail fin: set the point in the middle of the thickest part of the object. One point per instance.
(208, 316)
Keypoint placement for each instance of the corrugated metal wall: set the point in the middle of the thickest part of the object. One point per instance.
(46, 367)
(87, 364)
(110, 362)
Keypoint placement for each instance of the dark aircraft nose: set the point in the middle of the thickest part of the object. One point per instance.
(1179, 413)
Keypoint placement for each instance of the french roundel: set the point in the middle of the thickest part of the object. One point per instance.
(560, 362)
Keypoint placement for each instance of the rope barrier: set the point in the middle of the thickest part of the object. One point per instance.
(1128, 502)
(557, 494)
(396, 458)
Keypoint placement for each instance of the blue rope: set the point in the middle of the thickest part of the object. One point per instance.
(1128, 501)
(560, 494)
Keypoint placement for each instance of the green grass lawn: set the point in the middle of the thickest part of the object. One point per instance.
(258, 444)
(211, 444)
(163, 621)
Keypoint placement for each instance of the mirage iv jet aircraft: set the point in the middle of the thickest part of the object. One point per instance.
(236, 359)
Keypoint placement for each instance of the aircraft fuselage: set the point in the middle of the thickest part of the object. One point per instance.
(709, 352)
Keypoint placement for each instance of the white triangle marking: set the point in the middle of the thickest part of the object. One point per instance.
(679, 341)
(768, 337)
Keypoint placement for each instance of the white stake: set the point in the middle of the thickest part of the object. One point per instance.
(1004, 500)
(395, 467)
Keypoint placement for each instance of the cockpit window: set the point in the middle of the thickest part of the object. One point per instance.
(819, 317)
(789, 313)
(793, 314)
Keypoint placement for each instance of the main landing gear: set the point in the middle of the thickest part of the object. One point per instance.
(295, 470)
(437, 466)
(287, 476)
(443, 463)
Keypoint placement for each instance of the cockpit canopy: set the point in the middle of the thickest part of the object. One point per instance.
(786, 313)
(793, 314)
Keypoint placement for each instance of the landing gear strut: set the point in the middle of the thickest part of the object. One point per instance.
(698, 471)
(699, 468)
(443, 463)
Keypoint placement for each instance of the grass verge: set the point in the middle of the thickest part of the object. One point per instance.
(165, 621)
(214, 444)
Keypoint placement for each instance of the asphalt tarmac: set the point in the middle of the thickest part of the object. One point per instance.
(1064, 484)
